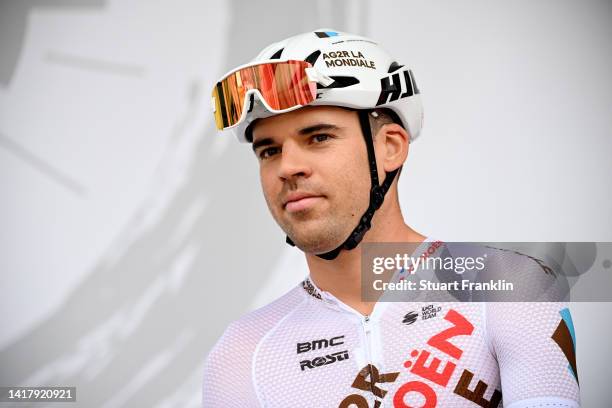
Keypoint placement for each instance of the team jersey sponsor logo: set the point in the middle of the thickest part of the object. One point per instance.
(427, 312)
(304, 347)
(368, 379)
(477, 395)
(343, 58)
(410, 317)
(430, 311)
(324, 360)
(319, 344)
(310, 289)
(431, 249)
(428, 375)
(396, 86)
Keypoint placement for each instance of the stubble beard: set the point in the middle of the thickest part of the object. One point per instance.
(318, 231)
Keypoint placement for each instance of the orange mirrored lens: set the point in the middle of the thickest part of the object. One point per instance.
(282, 85)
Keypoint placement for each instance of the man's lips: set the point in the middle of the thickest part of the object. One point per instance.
(299, 201)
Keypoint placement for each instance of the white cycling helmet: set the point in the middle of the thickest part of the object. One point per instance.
(350, 71)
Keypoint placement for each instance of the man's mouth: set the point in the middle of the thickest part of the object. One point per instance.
(299, 201)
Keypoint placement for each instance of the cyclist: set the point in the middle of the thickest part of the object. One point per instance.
(307, 104)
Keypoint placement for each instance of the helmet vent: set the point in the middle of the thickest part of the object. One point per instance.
(312, 58)
(340, 82)
(277, 54)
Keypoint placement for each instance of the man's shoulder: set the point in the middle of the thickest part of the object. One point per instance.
(529, 277)
(228, 366)
(499, 254)
(245, 333)
(265, 317)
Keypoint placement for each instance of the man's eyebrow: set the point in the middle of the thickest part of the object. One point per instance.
(266, 141)
(317, 127)
(263, 142)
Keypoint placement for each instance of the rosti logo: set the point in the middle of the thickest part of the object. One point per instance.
(347, 58)
(324, 360)
(319, 344)
(393, 88)
(428, 374)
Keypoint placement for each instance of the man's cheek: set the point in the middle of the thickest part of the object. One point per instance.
(269, 200)
(268, 188)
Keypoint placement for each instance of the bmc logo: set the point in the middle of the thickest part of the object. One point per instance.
(398, 85)
(319, 344)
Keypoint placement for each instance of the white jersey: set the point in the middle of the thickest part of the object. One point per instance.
(309, 349)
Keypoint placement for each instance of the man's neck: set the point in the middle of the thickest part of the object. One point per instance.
(342, 276)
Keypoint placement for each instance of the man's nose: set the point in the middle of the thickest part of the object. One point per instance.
(293, 162)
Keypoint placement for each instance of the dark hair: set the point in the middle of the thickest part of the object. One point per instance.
(381, 117)
(384, 116)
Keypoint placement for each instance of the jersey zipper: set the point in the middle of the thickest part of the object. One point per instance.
(366, 325)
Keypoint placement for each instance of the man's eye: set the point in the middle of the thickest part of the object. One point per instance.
(268, 152)
(320, 137)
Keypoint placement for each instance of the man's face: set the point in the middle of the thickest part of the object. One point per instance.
(314, 174)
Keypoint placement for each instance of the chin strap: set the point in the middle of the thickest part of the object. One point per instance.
(377, 193)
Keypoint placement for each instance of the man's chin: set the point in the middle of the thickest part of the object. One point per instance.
(314, 245)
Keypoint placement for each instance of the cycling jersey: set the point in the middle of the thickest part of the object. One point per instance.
(309, 349)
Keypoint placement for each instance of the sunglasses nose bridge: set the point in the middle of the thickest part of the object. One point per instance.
(251, 96)
(316, 76)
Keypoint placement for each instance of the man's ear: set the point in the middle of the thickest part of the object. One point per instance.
(395, 143)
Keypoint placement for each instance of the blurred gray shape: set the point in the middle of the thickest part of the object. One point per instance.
(42, 166)
(94, 64)
(13, 24)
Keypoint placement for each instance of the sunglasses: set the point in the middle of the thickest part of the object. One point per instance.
(280, 85)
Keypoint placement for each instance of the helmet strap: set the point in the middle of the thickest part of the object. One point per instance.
(377, 193)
